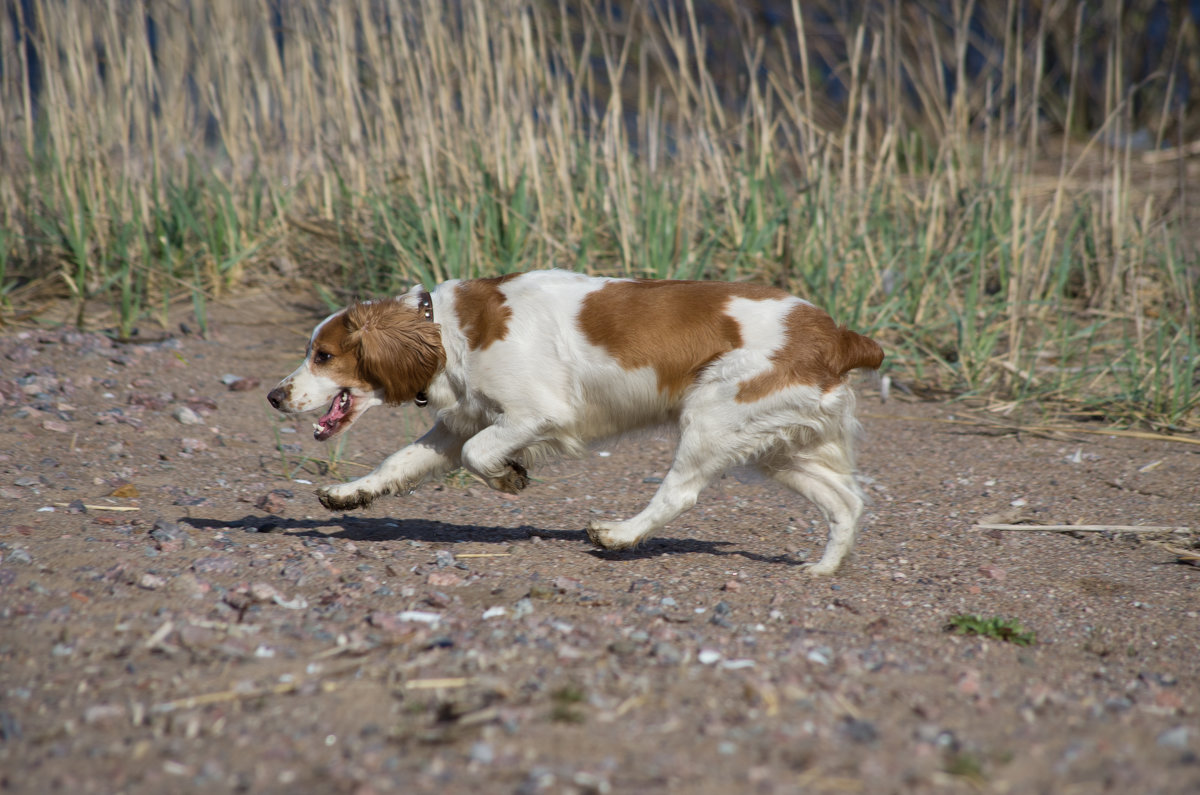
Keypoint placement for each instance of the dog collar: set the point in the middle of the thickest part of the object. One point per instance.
(425, 304)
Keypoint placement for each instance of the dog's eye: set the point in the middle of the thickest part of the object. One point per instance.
(320, 357)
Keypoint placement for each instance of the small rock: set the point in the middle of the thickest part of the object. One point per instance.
(151, 582)
(271, 502)
(522, 608)
(860, 731)
(56, 426)
(103, 713)
(190, 585)
(169, 537)
(666, 653)
(444, 579)
(243, 384)
(186, 416)
(970, 682)
(708, 656)
(482, 753)
(264, 592)
(10, 727)
(993, 572)
(214, 565)
(1178, 737)
(437, 599)
(732, 586)
(238, 600)
(189, 445)
(566, 584)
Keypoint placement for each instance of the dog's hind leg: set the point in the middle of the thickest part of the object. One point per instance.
(707, 447)
(434, 454)
(837, 495)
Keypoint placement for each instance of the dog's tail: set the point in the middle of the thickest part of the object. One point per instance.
(855, 351)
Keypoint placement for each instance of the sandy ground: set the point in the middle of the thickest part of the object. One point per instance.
(179, 614)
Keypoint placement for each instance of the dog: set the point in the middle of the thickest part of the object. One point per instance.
(522, 366)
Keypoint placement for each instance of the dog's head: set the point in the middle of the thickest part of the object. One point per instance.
(384, 351)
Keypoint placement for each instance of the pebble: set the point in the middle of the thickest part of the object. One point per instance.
(482, 753)
(151, 582)
(708, 656)
(860, 731)
(169, 537)
(993, 572)
(443, 579)
(667, 653)
(1178, 737)
(522, 608)
(243, 384)
(214, 565)
(271, 502)
(186, 416)
(103, 713)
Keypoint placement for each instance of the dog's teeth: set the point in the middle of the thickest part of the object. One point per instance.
(316, 426)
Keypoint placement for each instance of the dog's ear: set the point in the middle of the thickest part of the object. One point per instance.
(399, 350)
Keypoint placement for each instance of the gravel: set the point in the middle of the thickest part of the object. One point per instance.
(178, 613)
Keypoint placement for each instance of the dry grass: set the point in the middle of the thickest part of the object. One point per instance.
(161, 151)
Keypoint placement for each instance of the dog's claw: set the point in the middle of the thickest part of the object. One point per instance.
(512, 481)
(602, 536)
(335, 502)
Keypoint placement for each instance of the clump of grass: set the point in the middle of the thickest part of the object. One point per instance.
(1008, 630)
(566, 702)
(965, 765)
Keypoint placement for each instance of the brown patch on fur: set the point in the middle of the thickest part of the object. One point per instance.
(816, 352)
(382, 344)
(676, 327)
(482, 312)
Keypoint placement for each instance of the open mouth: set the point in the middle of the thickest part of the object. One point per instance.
(331, 421)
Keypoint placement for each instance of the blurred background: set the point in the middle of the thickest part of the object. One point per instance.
(1000, 191)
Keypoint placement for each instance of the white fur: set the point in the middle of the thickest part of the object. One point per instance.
(545, 389)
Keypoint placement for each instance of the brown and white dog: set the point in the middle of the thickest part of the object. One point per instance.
(545, 362)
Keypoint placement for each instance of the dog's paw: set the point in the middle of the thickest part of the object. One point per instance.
(514, 479)
(608, 535)
(337, 498)
(821, 569)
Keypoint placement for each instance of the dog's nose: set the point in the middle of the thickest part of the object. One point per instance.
(275, 397)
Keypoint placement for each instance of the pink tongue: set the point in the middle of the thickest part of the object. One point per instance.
(335, 413)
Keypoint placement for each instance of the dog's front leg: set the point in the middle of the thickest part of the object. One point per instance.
(492, 455)
(436, 453)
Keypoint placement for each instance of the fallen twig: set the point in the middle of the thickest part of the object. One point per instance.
(1085, 528)
(101, 507)
(1190, 557)
(437, 684)
(1159, 437)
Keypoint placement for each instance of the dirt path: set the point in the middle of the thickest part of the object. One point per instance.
(228, 634)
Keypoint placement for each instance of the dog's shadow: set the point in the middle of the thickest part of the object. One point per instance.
(365, 529)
